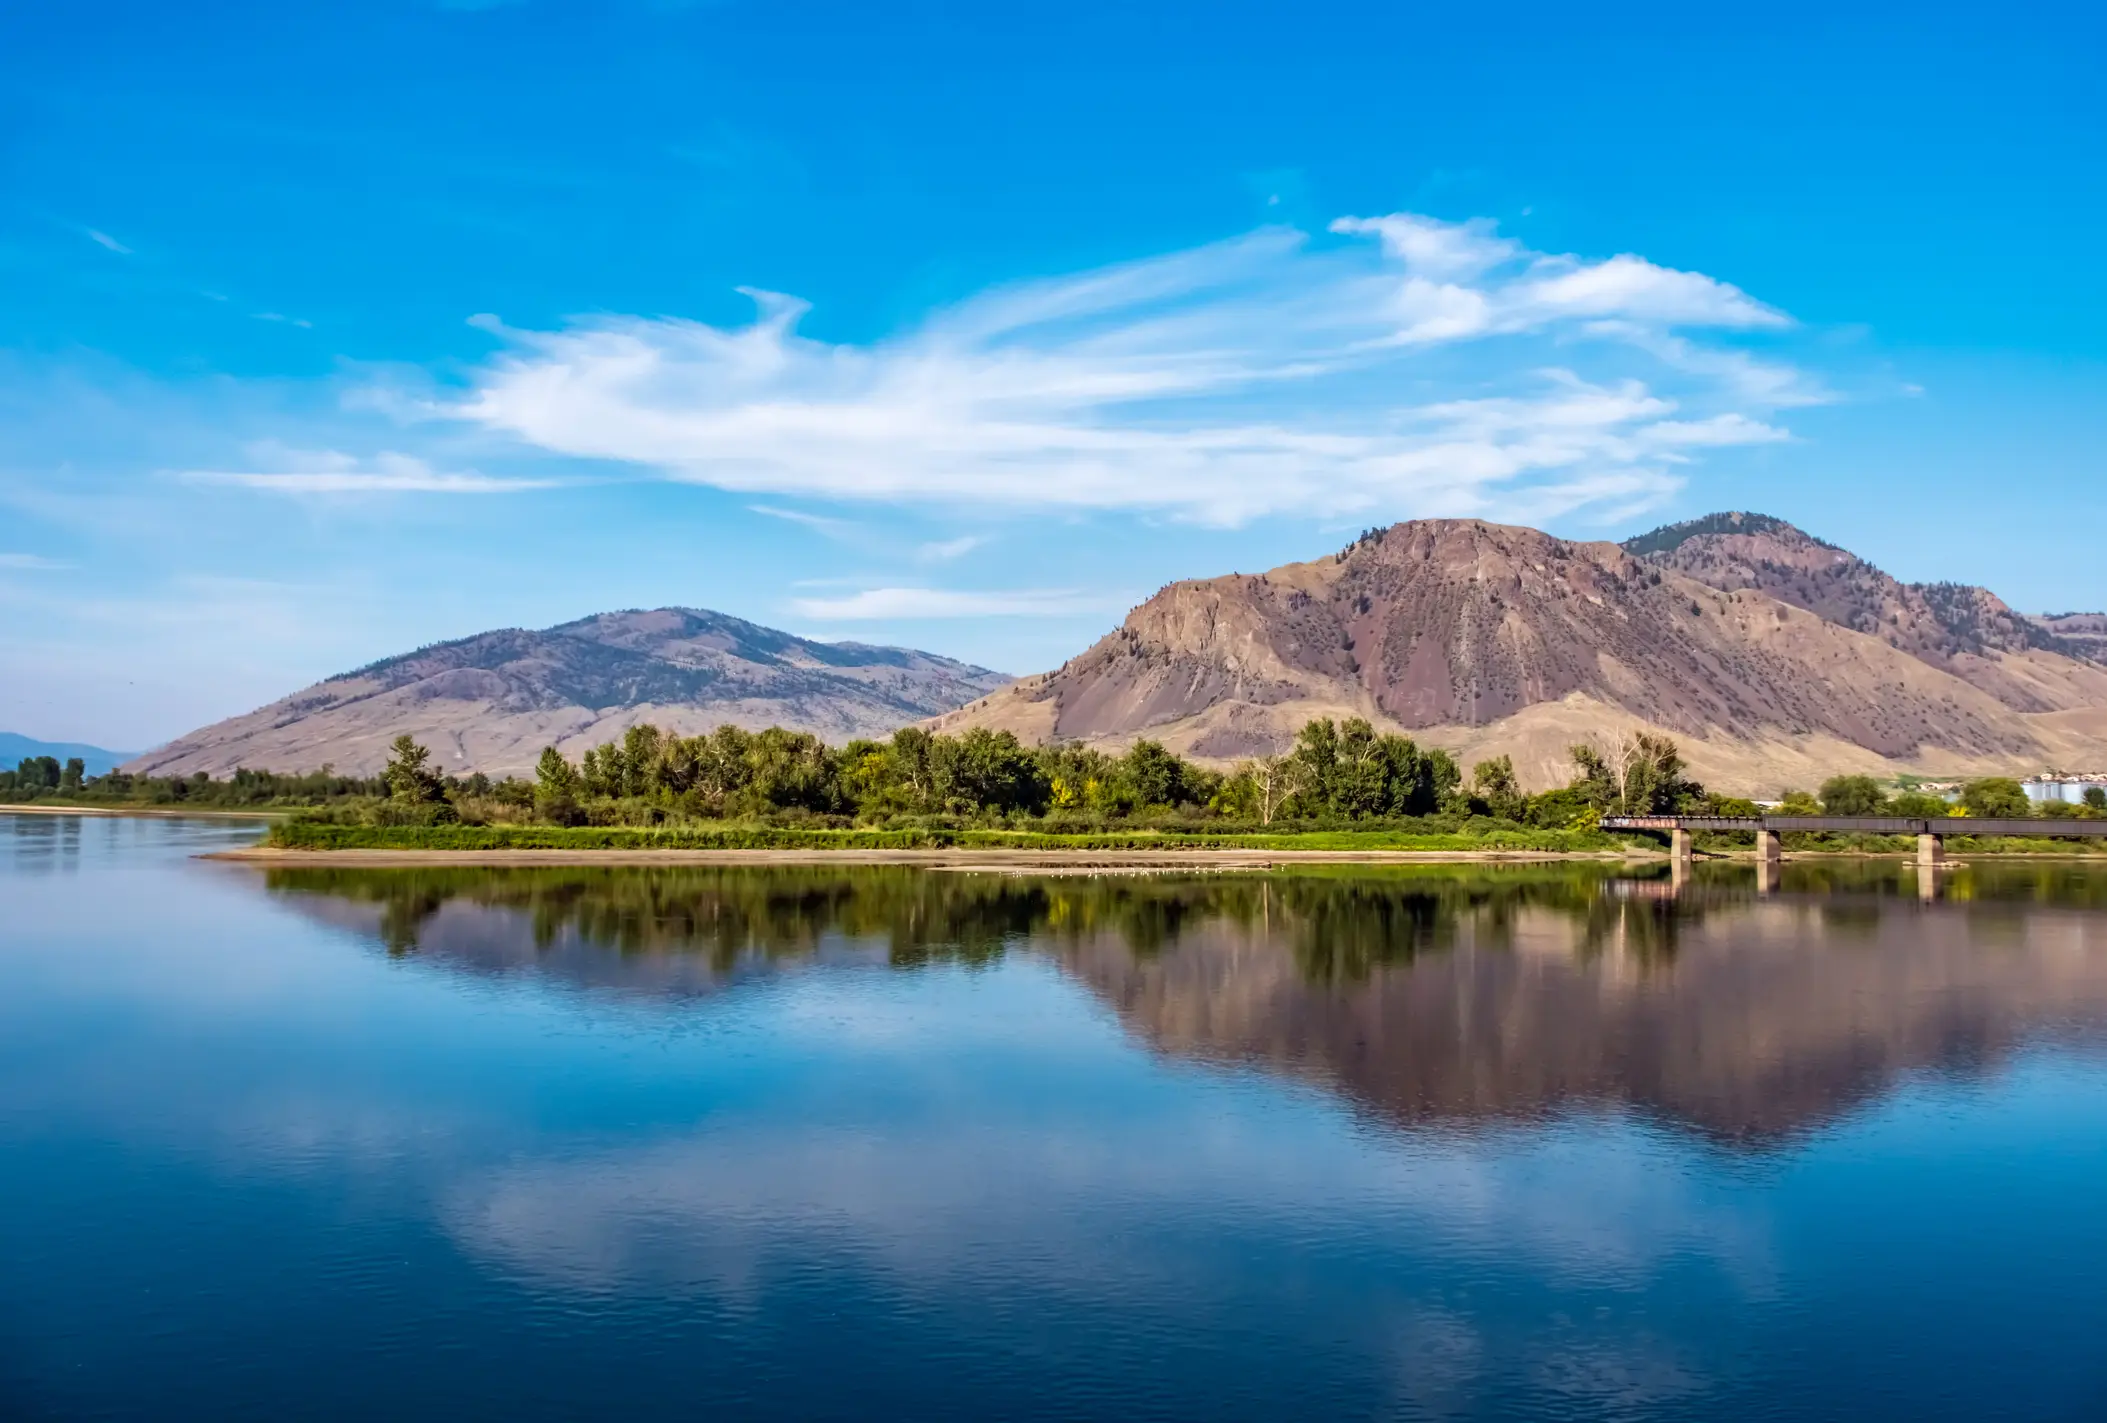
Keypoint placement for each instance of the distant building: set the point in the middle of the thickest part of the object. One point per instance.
(2065, 787)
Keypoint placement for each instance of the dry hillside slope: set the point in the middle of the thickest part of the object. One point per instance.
(1956, 627)
(1488, 638)
(491, 702)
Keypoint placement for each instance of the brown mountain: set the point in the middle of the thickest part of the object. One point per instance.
(491, 702)
(1737, 1032)
(1953, 626)
(2085, 631)
(1487, 638)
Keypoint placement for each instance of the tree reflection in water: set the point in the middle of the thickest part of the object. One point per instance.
(1420, 994)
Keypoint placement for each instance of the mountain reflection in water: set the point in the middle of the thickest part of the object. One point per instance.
(1421, 995)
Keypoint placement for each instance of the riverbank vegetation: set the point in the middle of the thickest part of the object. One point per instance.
(1992, 798)
(1342, 785)
(42, 780)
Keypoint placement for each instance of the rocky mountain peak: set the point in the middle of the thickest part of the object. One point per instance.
(1939, 622)
(1737, 631)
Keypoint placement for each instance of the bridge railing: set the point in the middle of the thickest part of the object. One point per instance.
(1864, 825)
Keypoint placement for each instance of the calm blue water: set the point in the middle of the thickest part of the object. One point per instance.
(891, 1143)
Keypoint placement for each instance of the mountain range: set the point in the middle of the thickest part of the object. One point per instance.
(491, 702)
(95, 759)
(1775, 658)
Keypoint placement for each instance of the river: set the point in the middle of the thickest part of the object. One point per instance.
(1539, 1142)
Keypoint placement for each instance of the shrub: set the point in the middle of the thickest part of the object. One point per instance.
(1853, 795)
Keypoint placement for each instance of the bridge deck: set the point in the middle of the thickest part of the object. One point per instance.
(1862, 824)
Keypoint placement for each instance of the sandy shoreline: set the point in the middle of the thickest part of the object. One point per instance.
(1205, 859)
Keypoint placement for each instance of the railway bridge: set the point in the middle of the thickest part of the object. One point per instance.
(1930, 834)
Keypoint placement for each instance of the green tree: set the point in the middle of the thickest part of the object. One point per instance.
(787, 770)
(1314, 766)
(2096, 798)
(1557, 809)
(990, 770)
(1853, 795)
(1495, 783)
(643, 749)
(409, 775)
(1639, 774)
(36, 773)
(71, 779)
(1799, 803)
(1916, 805)
(1437, 781)
(1996, 798)
(911, 769)
(555, 788)
(1156, 777)
(1348, 770)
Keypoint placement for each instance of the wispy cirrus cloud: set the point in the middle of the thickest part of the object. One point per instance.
(331, 472)
(103, 239)
(1418, 367)
(879, 604)
(823, 523)
(30, 563)
(944, 550)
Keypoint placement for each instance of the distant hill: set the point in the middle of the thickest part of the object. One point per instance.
(491, 702)
(2087, 631)
(13, 748)
(1774, 657)
(1954, 626)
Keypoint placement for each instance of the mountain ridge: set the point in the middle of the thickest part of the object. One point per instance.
(97, 759)
(490, 701)
(1495, 639)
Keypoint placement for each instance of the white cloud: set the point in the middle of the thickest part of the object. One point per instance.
(820, 522)
(335, 473)
(1428, 247)
(103, 239)
(1634, 289)
(945, 550)
(873, 604)
(1438, 369)
(30, 563)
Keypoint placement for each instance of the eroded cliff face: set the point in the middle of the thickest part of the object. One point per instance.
(1479, 633)
(491, 702)
(1749, 1022)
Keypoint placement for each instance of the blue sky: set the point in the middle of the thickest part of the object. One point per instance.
(330, 330)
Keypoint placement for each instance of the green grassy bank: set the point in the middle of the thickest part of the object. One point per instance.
(314, 835)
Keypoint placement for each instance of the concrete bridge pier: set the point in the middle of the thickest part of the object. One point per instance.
(1931, 858)
(1766, 875)
(1679, 845)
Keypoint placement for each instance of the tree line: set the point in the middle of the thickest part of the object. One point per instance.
(42, 777)
(1991, 797)
(1336, 771)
